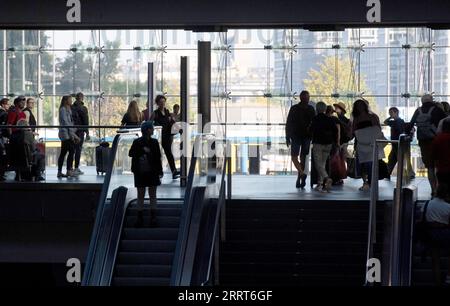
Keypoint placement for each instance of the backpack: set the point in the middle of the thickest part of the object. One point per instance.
(425, 129)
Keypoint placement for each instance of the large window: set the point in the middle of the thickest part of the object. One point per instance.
(256, 74)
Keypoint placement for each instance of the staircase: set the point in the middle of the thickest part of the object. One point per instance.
(282, 243)
(145, 255)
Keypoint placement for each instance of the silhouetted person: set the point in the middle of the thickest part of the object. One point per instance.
(67, 135)
(4, 135)
(80, 116)
(147, 169)
(133, 117)
(427, 118)
(298, 135)
(162, 117)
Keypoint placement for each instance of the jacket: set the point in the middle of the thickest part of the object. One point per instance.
(80, 115)
(65, 119)
(137, 150)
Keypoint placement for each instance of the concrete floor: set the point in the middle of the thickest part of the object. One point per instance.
(247, 186)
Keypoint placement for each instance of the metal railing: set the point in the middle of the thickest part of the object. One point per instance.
(403, 151)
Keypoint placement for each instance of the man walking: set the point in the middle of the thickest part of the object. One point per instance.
(298, 135)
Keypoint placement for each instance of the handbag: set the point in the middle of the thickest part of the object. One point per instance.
(352, 167)
(338, 169)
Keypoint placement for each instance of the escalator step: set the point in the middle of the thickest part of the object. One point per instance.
(165, 222)
(166, 212)
(143, 270)
(244, 235)
(149, 258)
(132, 233)
(141, 281)
(148, 245)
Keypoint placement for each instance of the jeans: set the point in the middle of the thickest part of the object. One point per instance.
(67, 146)
(167, 147)
(321, 154)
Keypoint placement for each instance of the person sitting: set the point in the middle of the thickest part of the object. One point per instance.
(147, 169)
(437, 217)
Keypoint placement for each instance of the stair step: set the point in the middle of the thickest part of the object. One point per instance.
(256, 223)
(283, 235)
(295, 257)
(141, 281)
(143, 270)
(313, 214)
(289, 268)
(286, 246)
(147, 258)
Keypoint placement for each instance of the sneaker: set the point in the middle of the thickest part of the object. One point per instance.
(71, 173)
(319, 188)
(39, 179)
(327, 184)
(303, 180)
(175, 175)
(78, 171)
(297, 183)
(61, 175)
(364, 187)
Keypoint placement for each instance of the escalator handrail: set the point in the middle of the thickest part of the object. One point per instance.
(180, 250)
(215, 233)
(92, 251)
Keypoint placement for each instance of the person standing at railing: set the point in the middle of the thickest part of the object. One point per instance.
(367, 129)
(80, 115)
(147, 169)
(427, 118)
(298, 135)
(4, 106)
(162, 117)
(67, 135)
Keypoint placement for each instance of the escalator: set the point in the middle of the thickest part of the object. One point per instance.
(178, 249)
(145, 255)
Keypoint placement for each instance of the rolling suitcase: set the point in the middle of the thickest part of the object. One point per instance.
(102, 153)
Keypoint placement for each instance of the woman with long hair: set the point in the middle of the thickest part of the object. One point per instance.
(133, 117)
(67, 136)
(366, 128)
(162, 117)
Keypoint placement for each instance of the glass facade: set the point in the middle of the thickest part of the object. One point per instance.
(256, 74)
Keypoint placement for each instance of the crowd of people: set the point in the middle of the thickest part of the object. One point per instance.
(329, 130)
(22, 153)
(19, 149)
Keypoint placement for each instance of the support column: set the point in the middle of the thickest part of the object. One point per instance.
(204, 84)
(150, 86)
(184, 112)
